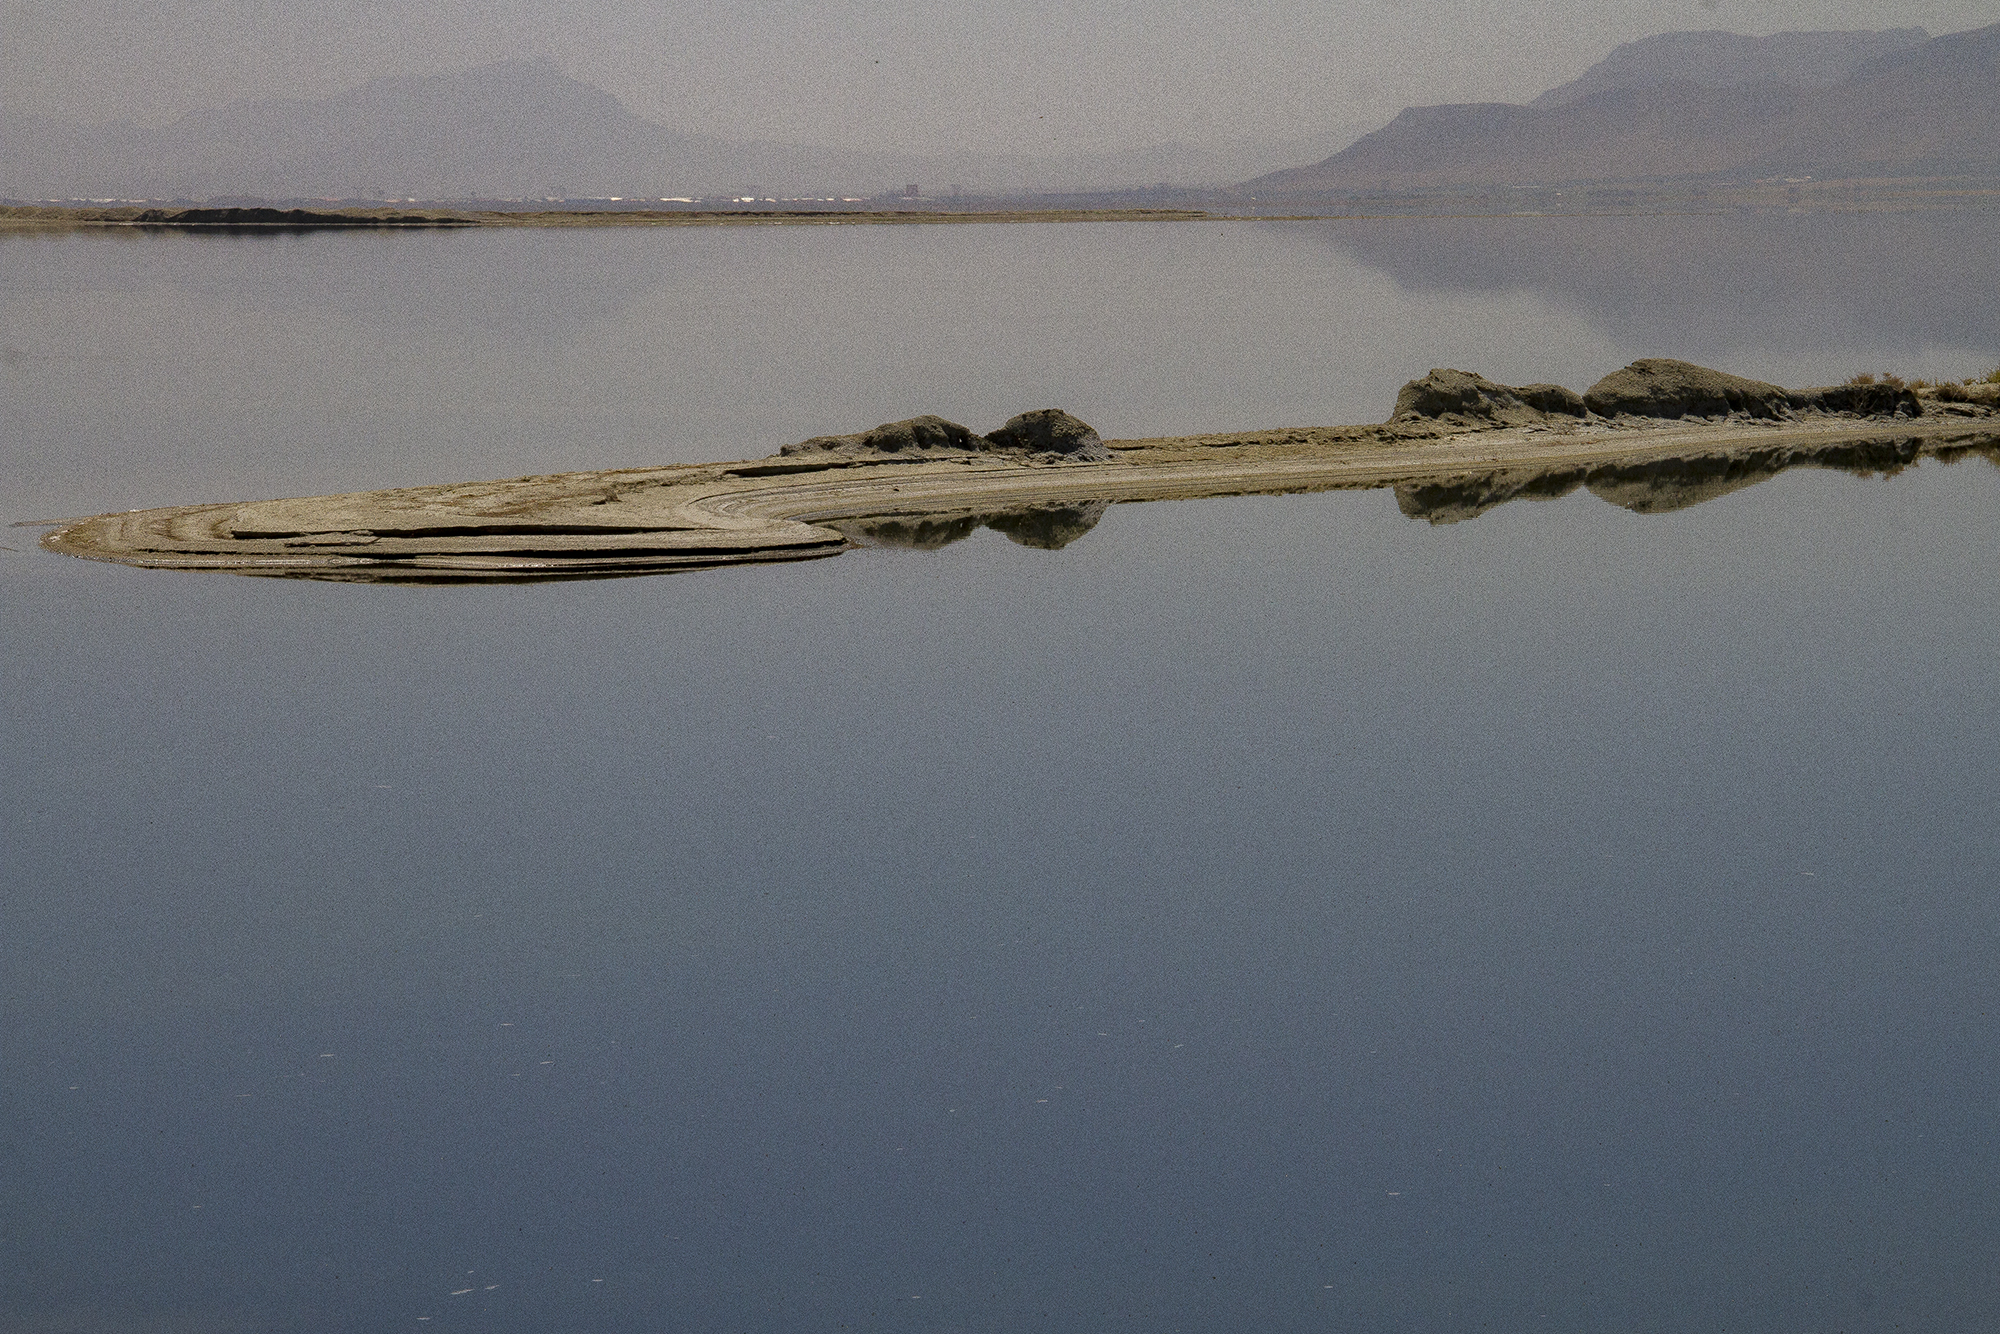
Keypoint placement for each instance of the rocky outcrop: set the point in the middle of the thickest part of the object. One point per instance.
(1046, 434)
(1657, 388)
(1661, 387)
(1453, 394)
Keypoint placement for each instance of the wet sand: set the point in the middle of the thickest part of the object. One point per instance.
(801, 507)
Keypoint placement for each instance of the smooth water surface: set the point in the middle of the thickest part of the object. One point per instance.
(1269, 913)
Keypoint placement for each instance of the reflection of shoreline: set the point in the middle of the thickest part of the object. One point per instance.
(657, 520)
(1778, 286)
(1663, 485)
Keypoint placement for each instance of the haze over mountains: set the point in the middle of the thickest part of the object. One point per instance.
(522, 129)
(1727, 59)
(1691, 106)
(1703, 106)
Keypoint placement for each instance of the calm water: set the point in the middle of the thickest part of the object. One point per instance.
(1261, 914)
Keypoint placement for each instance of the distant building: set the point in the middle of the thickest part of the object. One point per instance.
(911, 191)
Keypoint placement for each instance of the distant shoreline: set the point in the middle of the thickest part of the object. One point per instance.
(1588, 199)
(272, 219)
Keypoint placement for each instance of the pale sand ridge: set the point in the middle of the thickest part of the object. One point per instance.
(1457, 446)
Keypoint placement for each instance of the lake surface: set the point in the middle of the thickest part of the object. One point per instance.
(1269, 913)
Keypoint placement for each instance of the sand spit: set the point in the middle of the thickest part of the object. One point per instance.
(1457, 446)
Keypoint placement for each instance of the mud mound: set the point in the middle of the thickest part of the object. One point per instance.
(1552, 399)
(1462, 395)
(1051, 431)
(1048, 434)
(1663, 387)
(917, 435)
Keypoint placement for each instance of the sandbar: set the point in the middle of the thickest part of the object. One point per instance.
(1456, 448)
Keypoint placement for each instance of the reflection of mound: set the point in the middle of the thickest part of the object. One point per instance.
(1046, 527)
(1049, 527)
(1660, 486)
(1454, 499)
(916, 533)
(1664, 490)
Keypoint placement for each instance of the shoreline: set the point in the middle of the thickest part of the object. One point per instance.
(1579, 199)
(918, 484)
(272, 220)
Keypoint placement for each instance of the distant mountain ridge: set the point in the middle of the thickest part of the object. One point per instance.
(522, 129)
(1932, 108)
(1729, 59)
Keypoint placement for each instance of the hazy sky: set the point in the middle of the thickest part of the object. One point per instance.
(1036, 75)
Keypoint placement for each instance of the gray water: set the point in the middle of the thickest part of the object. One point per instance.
(1269, 913)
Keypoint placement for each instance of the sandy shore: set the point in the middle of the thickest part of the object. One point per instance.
(799, 506)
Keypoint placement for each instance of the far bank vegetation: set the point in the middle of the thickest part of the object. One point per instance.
(1972, 389)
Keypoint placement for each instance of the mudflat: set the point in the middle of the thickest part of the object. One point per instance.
(1656, 436)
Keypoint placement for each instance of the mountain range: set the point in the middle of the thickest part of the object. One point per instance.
(1677, 107)
(522, 129)
(1702, 106)
(1727, 59)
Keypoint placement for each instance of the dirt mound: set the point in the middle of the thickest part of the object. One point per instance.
(1454, 394)
(917, 435)
(1047, 433)
(1051, 431)
(1663, 387)
(1552, 399)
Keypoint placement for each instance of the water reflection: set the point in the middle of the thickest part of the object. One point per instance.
(1662, 486)
(1286, 916)
(1651, 486)
(1753, 291)
(1044, 527)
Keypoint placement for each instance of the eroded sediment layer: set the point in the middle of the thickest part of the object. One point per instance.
(1656, 436)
